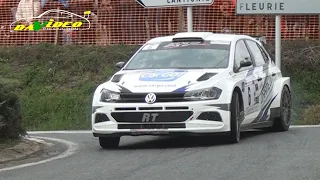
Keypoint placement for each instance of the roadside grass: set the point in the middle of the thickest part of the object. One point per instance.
(306, 96)
(56, 84)
(47, 109)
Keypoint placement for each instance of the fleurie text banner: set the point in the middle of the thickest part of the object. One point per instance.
(278, 7)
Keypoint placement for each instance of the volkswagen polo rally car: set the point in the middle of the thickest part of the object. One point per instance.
(193, 83)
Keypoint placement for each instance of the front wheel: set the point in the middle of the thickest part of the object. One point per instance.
(235, 119)
(109, 142)
(282, 123)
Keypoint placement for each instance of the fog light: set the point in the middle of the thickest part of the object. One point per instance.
(101, 118)
(210, 116)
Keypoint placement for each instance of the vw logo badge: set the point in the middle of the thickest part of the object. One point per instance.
(150, 98)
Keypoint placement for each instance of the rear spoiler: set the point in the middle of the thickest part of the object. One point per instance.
(262, 39)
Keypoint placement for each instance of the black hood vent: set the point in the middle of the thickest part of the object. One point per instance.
(116, 78)
(206, 76)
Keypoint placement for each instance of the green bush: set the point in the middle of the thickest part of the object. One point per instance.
(10, 111)
(311, 115)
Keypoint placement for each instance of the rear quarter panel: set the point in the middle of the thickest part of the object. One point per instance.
(277, 90)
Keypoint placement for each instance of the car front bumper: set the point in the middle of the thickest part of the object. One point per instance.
(127, 118)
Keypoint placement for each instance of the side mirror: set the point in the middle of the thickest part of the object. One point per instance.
(244, 63)
(120, 65)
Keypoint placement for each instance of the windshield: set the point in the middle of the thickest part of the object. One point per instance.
(186, 55)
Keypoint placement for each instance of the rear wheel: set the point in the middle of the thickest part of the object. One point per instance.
(235, 119)
(109, 142)
(283, 122)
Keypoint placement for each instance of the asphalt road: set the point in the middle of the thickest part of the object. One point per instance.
(293, 155)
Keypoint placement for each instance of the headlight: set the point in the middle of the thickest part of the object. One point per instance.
(109, 96)
(204, 94)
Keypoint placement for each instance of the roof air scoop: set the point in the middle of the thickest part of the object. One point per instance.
(188, 39)
(206, 76)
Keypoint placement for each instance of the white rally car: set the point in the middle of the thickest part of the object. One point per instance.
(192, 83)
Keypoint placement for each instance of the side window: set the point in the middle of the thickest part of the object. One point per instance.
(265, 56)
(241, 53)
(256, 52)
(271, 55)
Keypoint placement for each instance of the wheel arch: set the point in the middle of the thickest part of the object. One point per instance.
(278, 123)
(238, 90)
(278, 86)
(286, 85)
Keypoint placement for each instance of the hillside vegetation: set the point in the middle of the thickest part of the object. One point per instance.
(56, 83)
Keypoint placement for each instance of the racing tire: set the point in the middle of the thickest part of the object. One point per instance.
(234, 136)
(109, 142)
(282, 123)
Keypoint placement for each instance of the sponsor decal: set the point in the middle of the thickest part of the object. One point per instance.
(151, 47)
(256, 98)
(266, 90)
(220, 42)
(250, 72)
(263, 114)
(154, 86)
(162, 75)
(184, 44)
(183, 89)
(242, 87)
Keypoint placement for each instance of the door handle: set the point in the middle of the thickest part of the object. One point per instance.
(273, 74)
(259, 79)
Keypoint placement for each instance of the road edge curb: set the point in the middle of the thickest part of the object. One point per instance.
(29, 150)
(72, 148)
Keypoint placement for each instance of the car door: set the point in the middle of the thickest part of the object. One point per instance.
(263, 82)
(246, 73)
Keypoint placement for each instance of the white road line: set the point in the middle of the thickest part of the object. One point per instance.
(72, 148)
(305, 126)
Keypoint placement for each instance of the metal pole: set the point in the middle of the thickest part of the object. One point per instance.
(278, 41)
(190, 19)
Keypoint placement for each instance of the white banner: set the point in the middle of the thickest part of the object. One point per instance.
(173, 3)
